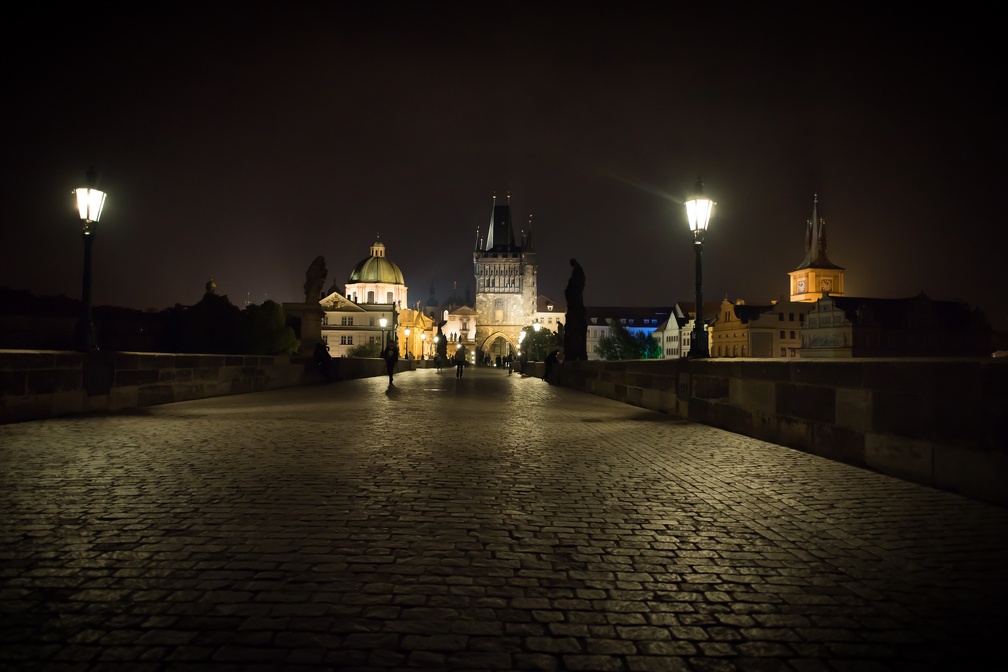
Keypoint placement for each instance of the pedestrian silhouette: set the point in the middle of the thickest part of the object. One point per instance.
(391, 356)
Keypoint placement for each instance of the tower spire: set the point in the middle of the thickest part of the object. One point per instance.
(815, 240)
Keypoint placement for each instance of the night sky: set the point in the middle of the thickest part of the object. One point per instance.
(240, 142)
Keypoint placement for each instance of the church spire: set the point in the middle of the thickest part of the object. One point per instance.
(815, 240)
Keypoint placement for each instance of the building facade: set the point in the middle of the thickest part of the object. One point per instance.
(637, 320)
(840, 327)
(375, 290)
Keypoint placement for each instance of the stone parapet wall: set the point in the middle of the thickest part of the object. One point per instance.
(938, 422)
(36, 385)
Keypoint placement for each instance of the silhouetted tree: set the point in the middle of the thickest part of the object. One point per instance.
(265, 331)
(211, 326)
(619, 343)
(538, 343)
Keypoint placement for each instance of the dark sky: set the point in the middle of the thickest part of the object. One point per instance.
(239, 142)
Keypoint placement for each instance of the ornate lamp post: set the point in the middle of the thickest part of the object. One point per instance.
(383, 321)
(90, 202)
(536, 326)
(406, 331)
(423, 345)
(698, 212)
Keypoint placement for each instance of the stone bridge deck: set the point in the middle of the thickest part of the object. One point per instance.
(489, 523)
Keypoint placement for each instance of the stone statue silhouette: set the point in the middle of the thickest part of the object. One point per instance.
(576, 327)
(315, 278)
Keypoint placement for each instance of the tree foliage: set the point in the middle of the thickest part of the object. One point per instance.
(538, 343)
(216, 326)
(365, 350)
(265, 331)
(619, 343)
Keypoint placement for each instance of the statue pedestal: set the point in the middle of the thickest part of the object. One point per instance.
(306, 321)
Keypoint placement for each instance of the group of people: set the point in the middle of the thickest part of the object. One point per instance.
(391, 356)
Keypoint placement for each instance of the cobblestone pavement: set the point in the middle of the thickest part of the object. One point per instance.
(488, 523)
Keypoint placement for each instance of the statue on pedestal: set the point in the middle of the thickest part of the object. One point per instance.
(315, 278)
(575, 331)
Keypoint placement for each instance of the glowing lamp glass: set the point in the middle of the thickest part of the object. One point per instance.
(698, 211)
(90, 203)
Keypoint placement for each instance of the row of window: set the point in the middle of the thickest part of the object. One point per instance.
(371, 297)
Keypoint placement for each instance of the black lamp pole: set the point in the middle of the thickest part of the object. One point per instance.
(699, 327)
(698, 212)
(87, 339)
(90, 202)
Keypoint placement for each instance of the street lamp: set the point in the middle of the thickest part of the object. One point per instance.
(383, 321)
(90, 202)
(698, 212)
(423, 345)
(406, 331)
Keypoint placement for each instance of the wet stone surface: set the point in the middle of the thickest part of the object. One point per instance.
(487, 523)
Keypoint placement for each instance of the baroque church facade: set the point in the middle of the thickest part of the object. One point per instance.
(375, 291)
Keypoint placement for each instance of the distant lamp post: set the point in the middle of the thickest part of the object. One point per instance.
(698, 212)
(423, 345)
(406, 331)
(383, 321)
(90, 202)
(536, 326)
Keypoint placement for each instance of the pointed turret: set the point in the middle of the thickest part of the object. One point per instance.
(500, 236)
(815, 241)
(527, 244)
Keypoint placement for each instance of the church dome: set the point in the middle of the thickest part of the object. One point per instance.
(376, 269)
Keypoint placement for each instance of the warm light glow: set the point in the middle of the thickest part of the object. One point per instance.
(521, 337)
(406, 331)
(698, 211)
(90, 203)
(383, 322)
(536, 325)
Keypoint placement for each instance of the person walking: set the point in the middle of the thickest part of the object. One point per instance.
(460, 358)
(391, 356)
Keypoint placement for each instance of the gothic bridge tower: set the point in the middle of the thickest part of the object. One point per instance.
(506, 287)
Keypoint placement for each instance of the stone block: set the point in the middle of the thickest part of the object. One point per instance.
(806, 402)
(710, 387)
(41, 382)
(765, 370)
(900, 456)
(135, 377)
(757, 395)
(854, 408)
(13, 383)
(838, 443)
(978, 474)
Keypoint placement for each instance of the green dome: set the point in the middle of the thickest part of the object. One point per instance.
(376, 269)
